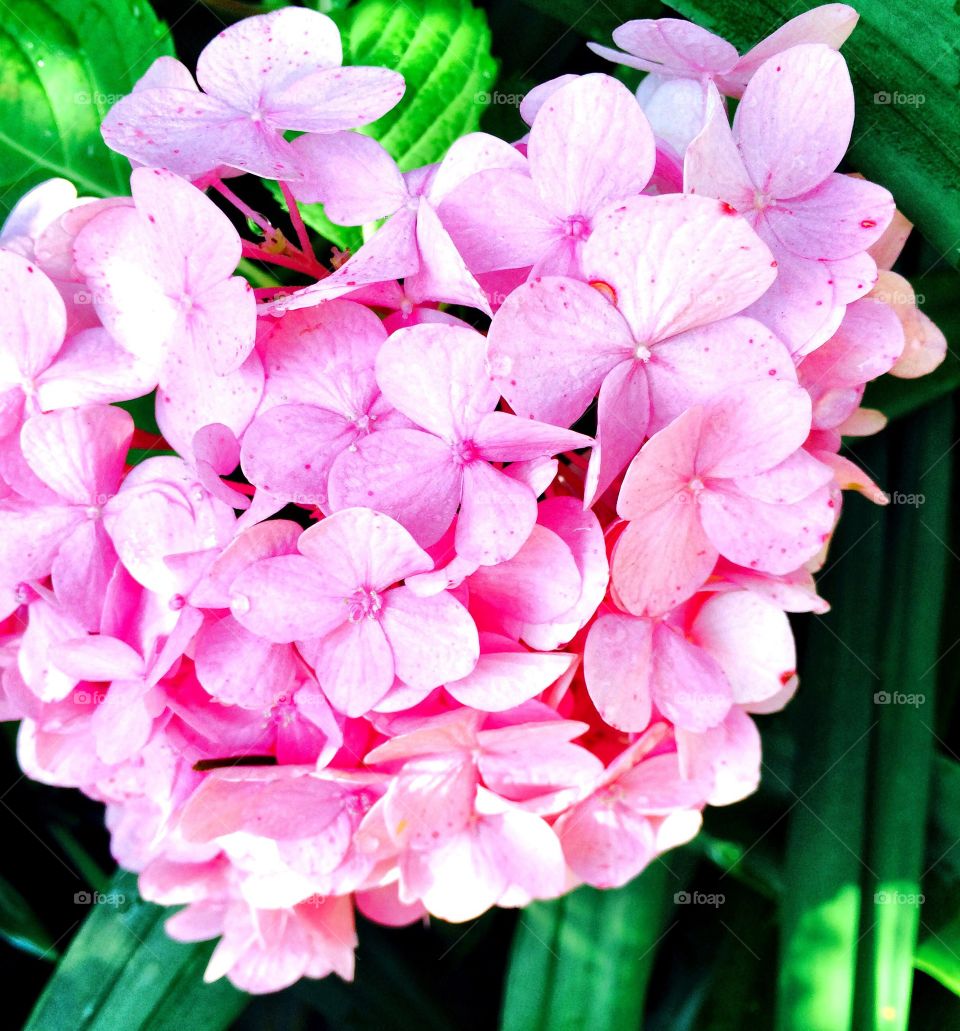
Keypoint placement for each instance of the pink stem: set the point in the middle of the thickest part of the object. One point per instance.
(242, 206)
(297, 263)
(297, 219)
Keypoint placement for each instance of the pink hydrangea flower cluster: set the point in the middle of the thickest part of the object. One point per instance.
(419, 618)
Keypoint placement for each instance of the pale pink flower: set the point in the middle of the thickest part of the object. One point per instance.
(360, 630)
(437, 376)
(261, 76)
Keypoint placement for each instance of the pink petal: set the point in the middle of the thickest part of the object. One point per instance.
(760, 535)
(502, 437)
(287, 598)
(676, 262)
(540, 582)
(79, 452)
(98, 658)
(751, 639)
(355, 666)
(406, 474)
(30, 537)
(663, 468)
(582, 533)
(433, 639)
(240, 668)
(497, 514)
(605, 844)
(551, 344)
(688, 684)
(81, 572)
(475, 152)
(436, 375)
(333, 99)
(507, 676)
(671, 45)
(324, 356)
(515, 228)
(794, 479)
(751, 428)
(839, 218)
(193, 396)
(590, 144)
(351, 175)
(622, 422)
(443, 274)
(91, 369)
(727, 756)
(662, 558)
(830, 24)
(356, 546)
(33, 319)
(256, 57)
(617, 666)
(301, 476)
(695, 366)
(794, 122)
(391, 253)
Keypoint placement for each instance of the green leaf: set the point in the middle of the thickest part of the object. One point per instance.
(832, 716)
(902, 759)
(62, 66)
(123, 971)
(938, 953)
(584, 960)
(442, 50)
(905, 66)
(20, 926)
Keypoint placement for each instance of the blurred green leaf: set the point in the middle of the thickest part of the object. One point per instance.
(938, 953)
(122, 971)
(905, 67)
(584, 960)
(62, 66)
(20, 926)
(903, 753)
(833, 715)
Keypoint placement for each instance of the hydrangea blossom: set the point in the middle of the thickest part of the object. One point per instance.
(423, 611)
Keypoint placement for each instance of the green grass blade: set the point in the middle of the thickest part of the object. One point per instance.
(122, 971)
(833, 715)
(584, 960)
(918, 558)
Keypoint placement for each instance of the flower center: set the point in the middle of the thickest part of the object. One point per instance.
(696, 486)
(364, 603)
(465, 452)
(577, 227)
(642, 353)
